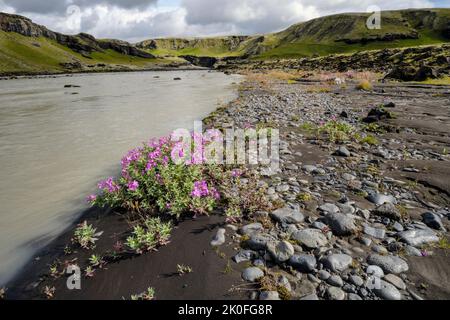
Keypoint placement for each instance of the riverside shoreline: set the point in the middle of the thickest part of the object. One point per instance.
(325, 185)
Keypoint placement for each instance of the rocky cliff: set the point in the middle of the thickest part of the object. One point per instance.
(81, 43)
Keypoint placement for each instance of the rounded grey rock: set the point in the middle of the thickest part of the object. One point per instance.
(418, 237)
(281, 251)
(269, 295)
(335, 293)
(252, 274)
(389, 264)
(387, 291)
(337, 262)
(310, 238)
(288, 216)
(303, 262)
(219, 238)
(251, 228)
(375, 271)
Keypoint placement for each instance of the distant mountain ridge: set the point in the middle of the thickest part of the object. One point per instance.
(331, 34)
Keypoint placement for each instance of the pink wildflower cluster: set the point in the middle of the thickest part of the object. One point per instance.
(109, 185)
(201, 190)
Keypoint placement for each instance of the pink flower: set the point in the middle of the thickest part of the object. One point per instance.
(200, 189)
(215, 193)
(109, 185)
(133, 186)
(91, 198)
(236, 173)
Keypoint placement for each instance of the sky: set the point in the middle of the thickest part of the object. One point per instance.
(135, 20)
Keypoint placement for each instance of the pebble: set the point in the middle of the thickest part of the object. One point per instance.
(375, 232)
(353, 297)
(375, 271)
(303, 262)
(252, 274)
(288, 215)
(356, 280)
(219, 238)
(310, 238)
(329, 208)
(312, 297)
(341, 224)
(389, 264)
(433, 221)
(418, 237)
(397, 227)
(269, 296)
(323, 275)
(259, 241)
(380, 249)
(244, 256)
(412, 251)
(380, 199)
(335, 293)
(388, 210)
(251, 228)
(335, 281)
(281, 251)
(396, 281)
(387, 291)
(337, 262)
(342, 152)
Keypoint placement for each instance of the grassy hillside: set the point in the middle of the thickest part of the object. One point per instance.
(211, 47)
(347, 33)
(21, 54)
(341, 33)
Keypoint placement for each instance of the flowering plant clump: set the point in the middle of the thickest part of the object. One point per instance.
(153, 178)
(175, 178)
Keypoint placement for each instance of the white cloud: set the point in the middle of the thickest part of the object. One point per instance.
(142, 19)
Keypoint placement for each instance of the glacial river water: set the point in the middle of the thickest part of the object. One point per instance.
(57, 142)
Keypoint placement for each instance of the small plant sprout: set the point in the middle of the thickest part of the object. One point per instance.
(89, 272)
(49, 292)
(183, 269)
(86, 236)
(149, 236)
(54, 273)
(3, 293)
(145, 296)
(228, 268)
(67, 250)
(96, 261)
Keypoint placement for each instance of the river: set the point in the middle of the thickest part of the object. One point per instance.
(57, 142)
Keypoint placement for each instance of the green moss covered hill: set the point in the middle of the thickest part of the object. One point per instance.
(341, 33)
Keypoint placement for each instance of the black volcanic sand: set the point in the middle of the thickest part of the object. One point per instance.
(119, 280)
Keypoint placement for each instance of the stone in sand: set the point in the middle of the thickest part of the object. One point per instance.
(219, 238)
(288, 215)
(389, 264)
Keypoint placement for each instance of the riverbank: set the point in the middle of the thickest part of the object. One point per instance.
(37, 75)
(359, 197)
